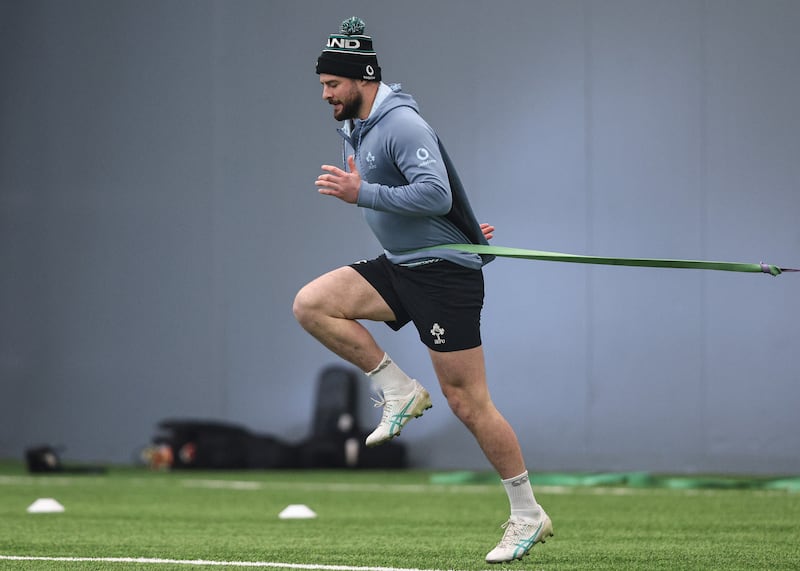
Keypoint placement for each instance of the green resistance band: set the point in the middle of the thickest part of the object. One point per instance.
(639, 262)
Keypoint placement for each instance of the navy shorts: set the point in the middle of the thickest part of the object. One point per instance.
(442, 299)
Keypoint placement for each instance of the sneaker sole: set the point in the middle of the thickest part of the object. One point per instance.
(547, 531)
(420, 406)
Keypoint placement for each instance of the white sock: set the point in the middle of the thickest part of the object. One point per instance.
(391, 379)
(520, 496)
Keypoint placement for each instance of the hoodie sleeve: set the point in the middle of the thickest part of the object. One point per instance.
(414, 150)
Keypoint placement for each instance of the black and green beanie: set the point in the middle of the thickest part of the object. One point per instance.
(349, 53)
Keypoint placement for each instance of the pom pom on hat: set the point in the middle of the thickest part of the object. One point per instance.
(353, 26)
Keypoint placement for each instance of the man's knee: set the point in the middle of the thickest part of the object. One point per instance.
(306, 303)
(465, 405)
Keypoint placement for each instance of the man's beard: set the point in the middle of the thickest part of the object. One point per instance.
(350, 108)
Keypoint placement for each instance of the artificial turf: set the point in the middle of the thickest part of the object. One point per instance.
(371, 519)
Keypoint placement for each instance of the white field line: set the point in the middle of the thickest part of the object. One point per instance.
(252, 486)
(247, 485)
(47, 479)
(202, 562)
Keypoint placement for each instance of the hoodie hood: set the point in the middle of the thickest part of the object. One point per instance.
(388, 98)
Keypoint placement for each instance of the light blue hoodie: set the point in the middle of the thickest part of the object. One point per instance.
(411, 195)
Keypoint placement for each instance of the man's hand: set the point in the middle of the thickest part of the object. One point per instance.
(488, 231)
(343, 185)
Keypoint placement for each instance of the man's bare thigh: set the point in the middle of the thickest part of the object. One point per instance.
(344, 293)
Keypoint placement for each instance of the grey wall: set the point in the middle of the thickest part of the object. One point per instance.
(157, 214)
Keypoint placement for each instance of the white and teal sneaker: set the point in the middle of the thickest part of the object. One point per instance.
(397, 413)
(520, 536)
